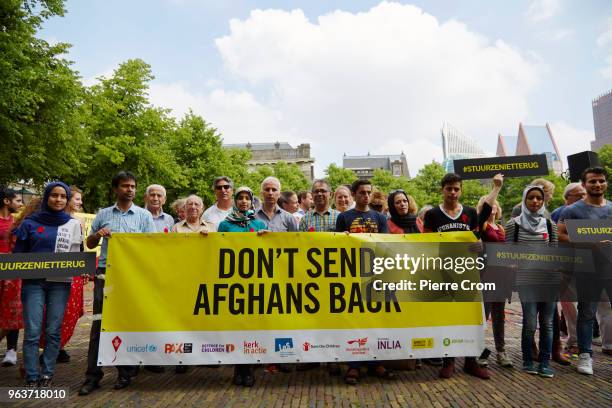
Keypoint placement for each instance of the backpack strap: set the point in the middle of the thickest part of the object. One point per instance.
(549, 228)
(516, 231)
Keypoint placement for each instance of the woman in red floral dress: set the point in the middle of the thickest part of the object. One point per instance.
(11, 319)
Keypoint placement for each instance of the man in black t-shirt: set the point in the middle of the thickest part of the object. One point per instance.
(452, 216)
(362, 219)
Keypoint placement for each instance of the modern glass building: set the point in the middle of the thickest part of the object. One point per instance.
(532, 140)
(456, 145)
(602, 120)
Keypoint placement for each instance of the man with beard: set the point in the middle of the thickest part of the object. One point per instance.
(592, 207)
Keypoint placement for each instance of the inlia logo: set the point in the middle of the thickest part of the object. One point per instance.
(284, 346)
(446, 341)
(388, 344)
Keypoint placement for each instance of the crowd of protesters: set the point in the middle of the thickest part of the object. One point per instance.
(48, 309)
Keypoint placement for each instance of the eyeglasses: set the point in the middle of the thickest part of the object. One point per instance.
(223, 187)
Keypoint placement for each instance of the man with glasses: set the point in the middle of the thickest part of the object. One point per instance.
(572, 193)
(322, 218)
(224, 192)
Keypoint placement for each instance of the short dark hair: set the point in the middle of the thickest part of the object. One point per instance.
(302, 195)
(357, 183)
(594, 170)
(284, 197)
(450, 178)
(321, 181)
(7, 193)
(123, 175)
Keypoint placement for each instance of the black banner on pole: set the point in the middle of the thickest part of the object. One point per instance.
(509, 166)
(46, 265)
(589, 230)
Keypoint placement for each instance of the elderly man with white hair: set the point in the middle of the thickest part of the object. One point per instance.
(193, 222)
(572, 193)
(155, 198)
(275, 218)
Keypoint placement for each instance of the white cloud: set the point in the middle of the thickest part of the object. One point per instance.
(560, 34)
(237, 115)
(571, 140)
(381, 81)
(540, 10)
(604, 42)
(94, 79)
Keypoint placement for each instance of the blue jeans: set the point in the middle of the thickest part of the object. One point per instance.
(589, 293)
(533, 310)
(38, 295)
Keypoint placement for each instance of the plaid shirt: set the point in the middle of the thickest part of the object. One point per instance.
(325, 222)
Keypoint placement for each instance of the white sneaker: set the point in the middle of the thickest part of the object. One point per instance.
(10, 359)
(585, 364)
(503, 360)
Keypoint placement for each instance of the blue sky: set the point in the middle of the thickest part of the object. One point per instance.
(358, 76)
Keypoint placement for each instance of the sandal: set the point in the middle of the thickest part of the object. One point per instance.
(352, 376)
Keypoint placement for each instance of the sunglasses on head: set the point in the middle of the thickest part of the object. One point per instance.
(223, 187)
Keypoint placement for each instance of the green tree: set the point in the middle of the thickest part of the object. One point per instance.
(124, 132)
(605, 158)
(338, 175)
(39, 97)
(198, 150)
(426, 184)
(289, 175)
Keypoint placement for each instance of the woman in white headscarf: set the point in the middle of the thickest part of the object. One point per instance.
(537, 288)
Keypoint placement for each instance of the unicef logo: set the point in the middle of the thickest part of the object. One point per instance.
(152, 348)
(446, 342)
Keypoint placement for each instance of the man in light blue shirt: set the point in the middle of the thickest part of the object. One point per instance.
(123, 216)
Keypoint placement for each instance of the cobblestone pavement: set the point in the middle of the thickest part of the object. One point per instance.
(211, 387)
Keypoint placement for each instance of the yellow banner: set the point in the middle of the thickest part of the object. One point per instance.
(241, 281)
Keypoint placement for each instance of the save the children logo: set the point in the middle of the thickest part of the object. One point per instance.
(284, 346)
(307, 346)
(358, 346)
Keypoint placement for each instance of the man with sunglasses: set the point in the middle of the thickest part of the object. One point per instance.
(224, 193)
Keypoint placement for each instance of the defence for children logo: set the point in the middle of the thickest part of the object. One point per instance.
(284, 346)
(218, 348)
(253, 347)
(358, 346)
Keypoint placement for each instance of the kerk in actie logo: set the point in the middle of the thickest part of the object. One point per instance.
(253, 347)
(284, 346)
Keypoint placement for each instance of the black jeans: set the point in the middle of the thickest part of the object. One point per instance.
(94, 371)
(12, 338)
(497, 313)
